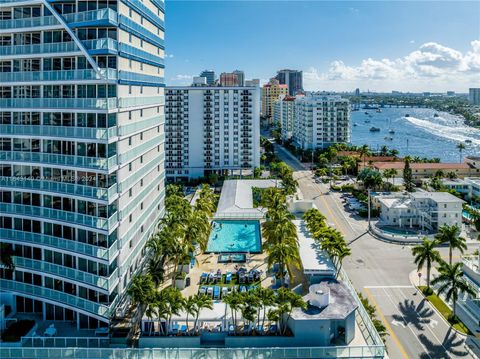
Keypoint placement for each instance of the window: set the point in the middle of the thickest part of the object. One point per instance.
(130, 192)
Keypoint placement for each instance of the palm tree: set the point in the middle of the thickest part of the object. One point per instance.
(189, 307)
(390, 173)
(141, 290)
(452, 284)
(314, 219)
(234, 301)
(364, 151)
(202, 301)
(371, 178)
(173, 301)
(286, 255)
(426, 254)
(451, 235)
(267, 299)
(287, 301)
(460, 148)
(342, 252)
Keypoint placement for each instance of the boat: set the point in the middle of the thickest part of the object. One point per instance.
(366, 113)
(407, 115)
(378, 110)
(435, 115)
(367, 121)
(374, 129)
(468, 141)
(354, 125)
(388, 138)
(392, 131)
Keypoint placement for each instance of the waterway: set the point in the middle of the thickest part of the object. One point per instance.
(421, 134)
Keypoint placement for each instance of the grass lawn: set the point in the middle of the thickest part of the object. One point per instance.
(445, 310)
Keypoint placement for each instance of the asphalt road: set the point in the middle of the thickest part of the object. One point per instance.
(381, 271)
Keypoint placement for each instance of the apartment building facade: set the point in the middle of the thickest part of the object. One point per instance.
(271, 92)
(284, 114)
(293, 79)
(211, 130)
(82, 152)
(320, 121)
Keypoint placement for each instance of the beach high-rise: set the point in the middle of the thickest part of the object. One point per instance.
(82, 152)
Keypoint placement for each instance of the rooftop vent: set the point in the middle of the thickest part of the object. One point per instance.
(319, 296)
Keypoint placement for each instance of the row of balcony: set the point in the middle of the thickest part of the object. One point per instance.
(61, 160)
(59, 187)
(59, 131)
(60, 243)
(54, 296)
(106, 283)
(59, 215)
(82, 103)
(138, 150)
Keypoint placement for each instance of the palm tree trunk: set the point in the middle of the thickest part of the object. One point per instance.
(428, 276)
(450, 255)
(186, 320)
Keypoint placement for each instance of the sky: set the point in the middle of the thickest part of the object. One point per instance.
(340, 45)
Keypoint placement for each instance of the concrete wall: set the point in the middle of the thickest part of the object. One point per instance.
(300, 206)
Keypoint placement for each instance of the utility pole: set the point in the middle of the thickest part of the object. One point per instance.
(369, 226)
(312, 157)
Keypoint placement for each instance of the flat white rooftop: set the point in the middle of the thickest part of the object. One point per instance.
(236, 199)
(314, 260)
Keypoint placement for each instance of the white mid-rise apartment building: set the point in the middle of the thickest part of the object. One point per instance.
(421, 210)
(284, 114)
(211, 130)
(81, 152)
(320, 121)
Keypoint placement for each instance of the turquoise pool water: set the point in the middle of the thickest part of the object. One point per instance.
(228, 236)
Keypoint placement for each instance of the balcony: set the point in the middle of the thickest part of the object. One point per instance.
(59, 187)
(61, 160)
(59, 215)
(140, 149)
(140, 54)
(64, 75)
(55, 242)
(98, 17)
(59, 131)
(67, 273)
(29, 22)
(81, 103)
(54, 296)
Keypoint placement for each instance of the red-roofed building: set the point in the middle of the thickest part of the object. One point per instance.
(423, 170)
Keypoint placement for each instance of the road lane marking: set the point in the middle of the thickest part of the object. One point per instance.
(387, 325)
(388, 286)
(432, 322)
(408, 326)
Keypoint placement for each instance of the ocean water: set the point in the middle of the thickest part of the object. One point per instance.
(422, 134)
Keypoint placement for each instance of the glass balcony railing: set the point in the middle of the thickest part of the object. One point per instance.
(59, 131)
(29, 22)
(59, 215)
(62, 160)
(68, 273)
(138, 150)
(133, 76)
(141, 196)
(139, 31)
(60, 243)
(135, 176)
(141, 54)
(107, 16)
(59, 187)
(61, 103)
(64, 75)
(91, 103)
(56, 296)
(58, 47)
(140, 125)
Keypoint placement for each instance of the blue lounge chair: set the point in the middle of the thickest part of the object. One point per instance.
(202, 290)
(204, 278)
(246, 329)
(216, 292)
(243, 289)
(210, 291)
(183, 329)
(259, 329)
(228, 277)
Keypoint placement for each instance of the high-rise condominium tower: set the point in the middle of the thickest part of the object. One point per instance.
(293, 79)
(81, 152)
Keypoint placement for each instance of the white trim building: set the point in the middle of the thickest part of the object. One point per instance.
(320, 121)
(211, 130)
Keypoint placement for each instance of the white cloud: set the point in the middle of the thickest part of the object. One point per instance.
(181, 79)
(412, 41)
(432, 67)
(169, 56)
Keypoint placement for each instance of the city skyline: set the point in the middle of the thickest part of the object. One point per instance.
(421, 46)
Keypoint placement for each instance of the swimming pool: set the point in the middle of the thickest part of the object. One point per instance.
(229, 236)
